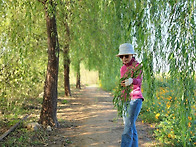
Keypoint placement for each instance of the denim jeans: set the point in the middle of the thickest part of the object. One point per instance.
(129, 136)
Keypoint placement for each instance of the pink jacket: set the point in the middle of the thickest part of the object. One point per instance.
(137, 82)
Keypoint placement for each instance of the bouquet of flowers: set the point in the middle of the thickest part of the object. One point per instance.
(122, 94)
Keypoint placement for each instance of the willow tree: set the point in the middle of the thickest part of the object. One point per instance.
(66, 58)
(182, 64)
(78, 35)
(64, 18)
(163, 33)
(21, 66)
(49, 107)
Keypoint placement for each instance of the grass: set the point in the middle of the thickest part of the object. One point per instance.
(21, 136)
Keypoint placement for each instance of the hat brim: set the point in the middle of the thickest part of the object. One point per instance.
(125, 54)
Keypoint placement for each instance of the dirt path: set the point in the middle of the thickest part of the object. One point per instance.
(89, 119)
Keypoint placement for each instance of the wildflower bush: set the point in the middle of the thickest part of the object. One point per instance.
(174, 116)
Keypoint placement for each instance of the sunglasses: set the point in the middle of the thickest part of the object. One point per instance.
(126, 56)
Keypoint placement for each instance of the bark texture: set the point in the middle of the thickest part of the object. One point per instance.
(66, 59)
(66, 72)
(49, 107)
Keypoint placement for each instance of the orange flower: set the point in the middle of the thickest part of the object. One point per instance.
(168, 105)
(170, 98)
(189, 124)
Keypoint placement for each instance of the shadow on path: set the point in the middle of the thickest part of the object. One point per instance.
(89, 119)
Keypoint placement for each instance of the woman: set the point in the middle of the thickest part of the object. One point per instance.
(132, 104)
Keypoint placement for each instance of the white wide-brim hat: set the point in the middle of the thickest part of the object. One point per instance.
(126, 49)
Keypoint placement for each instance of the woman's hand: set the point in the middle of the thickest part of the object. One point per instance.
(127, 82)
(123, 83)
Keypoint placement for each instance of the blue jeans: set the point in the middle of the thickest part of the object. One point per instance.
(129, 136)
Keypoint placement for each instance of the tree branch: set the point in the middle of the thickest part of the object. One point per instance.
(43, 2)
(13, 127)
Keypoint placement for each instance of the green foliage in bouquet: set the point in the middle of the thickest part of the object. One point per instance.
(122, 94)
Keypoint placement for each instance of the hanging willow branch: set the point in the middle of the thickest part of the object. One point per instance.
(122, 94)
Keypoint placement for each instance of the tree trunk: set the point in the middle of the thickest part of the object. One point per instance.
(78, 77)
(49, 107)
(66, 59)
(66, 72)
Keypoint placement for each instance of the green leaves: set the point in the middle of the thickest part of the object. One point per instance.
(122, 94)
